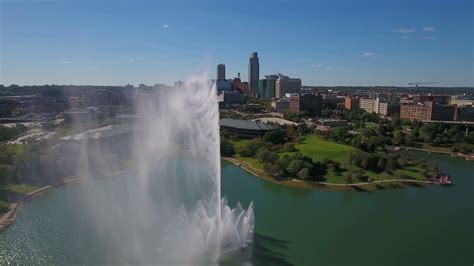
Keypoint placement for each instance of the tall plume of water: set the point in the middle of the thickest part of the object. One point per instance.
(181, 129)
(170, 209)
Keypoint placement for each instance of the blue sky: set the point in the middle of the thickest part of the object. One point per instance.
(104, 42)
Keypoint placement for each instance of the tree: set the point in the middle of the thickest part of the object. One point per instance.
(289, 147)
(348, 177)
(7, 173)
(294, 167)
(365, 162)
(264, 155)
(276, 136)
(303, 174)
(381, 164)
(250, 148)
(273, 169)
(391, 165)
(227, 149)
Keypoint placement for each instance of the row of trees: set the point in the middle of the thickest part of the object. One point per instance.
(374, 133)
(296, 166)
(8, 133)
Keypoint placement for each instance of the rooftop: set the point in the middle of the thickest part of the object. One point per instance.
(102, 132)
(245, 124)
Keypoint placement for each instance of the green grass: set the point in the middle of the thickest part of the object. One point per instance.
(21, 189)
(3, 205)
(370, 125)
(239, 142)
(253, 162)
(17, 148)
(319, 149)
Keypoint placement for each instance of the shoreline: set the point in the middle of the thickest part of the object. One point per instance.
(9, 216)
(313, 185)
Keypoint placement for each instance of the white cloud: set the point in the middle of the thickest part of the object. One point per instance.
(130, 59)
(329, 68)
(406, 37)
(64, 62)
(315, 65)
(426, 37)
(428, 29)
(368, 55)
(403, 30)
(165, 26)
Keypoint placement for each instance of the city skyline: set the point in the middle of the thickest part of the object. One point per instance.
(345, 43)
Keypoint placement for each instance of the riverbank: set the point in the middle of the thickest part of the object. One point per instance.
(8, 217)
(361, 186)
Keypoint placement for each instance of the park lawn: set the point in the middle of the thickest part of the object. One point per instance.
(252, 161)
(239, 142)
(319, 149)
(21, 189)
(333, 177)
(17, 148)
(3, 205)
(370, 125)
(428, 147)
(414, 172)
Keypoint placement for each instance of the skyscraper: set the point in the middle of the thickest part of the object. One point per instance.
(254, 73)
(220, 72)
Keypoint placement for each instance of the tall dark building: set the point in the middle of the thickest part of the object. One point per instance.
(220, 72)
(254, 73)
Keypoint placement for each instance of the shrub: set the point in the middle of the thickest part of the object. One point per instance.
(289, 147)
(227, 149)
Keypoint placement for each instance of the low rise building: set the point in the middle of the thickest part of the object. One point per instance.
(246, 129)
(416, 111)
(368, 105)
(230, 99)
(310, 103)
(332, 122)
(389, 109)
(332, 102)
(351, 103)
(441, 99)
(281, 104)
(427, 111)
(464, 113)
(82, 116)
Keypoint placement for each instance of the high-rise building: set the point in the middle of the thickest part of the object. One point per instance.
(254, 73)
(267, 87)
(285, 84)
(220, 72)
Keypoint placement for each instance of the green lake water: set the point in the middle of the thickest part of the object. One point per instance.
(414, 226)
